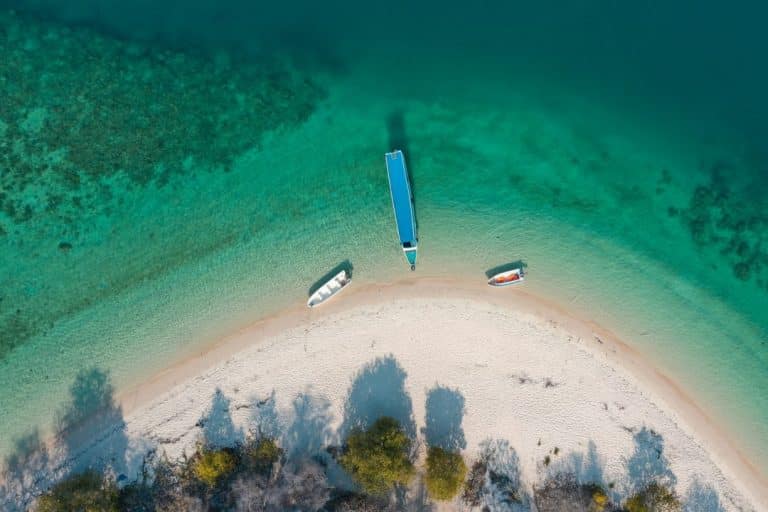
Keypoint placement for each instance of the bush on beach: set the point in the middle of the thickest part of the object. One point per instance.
(445, 473)
(563, 493)
(377, 458)
(261, 454)
(211, 466)
(600, 500)
(472, 494)
(353, 502)
(87, 492)
(655, 497)
(256, 475)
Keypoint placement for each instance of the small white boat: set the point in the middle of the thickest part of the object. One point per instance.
(329, 289)
(507, 278)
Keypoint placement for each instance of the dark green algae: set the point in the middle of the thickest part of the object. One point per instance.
(76, 105)
(731, 216)
(84, 117)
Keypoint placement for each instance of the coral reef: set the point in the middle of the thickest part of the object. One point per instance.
(733, 218)
(77, 107)
(85, 119)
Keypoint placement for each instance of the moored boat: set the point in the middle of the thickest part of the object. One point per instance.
(514, 276)
(402, 203)
(330, 288)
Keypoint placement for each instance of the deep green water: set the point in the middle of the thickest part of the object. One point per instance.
(171, 172)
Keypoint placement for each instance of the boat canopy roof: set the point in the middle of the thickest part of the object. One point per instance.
(401, 197)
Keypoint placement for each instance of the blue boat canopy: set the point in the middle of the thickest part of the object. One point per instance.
(402, 202)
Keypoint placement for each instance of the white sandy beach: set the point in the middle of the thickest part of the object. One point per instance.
(456, 363)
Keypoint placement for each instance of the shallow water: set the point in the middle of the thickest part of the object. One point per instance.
(619, 153)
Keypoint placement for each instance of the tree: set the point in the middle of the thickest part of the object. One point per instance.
(158, 487)
(298, 485)
(472, 494)
(377, 458)
(210, 466)
(445, 473)
(600, 500)
(352, 502)
(260, 455)
(563, 493)
(654, 498)
(85, 492)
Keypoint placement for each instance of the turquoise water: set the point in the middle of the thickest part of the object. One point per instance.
(168, 176)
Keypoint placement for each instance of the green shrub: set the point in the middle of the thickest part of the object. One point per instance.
(445, 473)
(85, 492)
(473, 487)
(378, 458)
(654, 498)
(262, 454)
(600, 499)
(210, 466)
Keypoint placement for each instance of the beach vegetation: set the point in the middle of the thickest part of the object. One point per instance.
(87, 492)
(655, 497)
(257, 474)
(564, 493)
(342, 501)
(494, 478)
(473, 487)
(210, 466)
(377, 458)
(261, 454)
(159, 487)
(296, 485)
(445, 473)
(600, 500)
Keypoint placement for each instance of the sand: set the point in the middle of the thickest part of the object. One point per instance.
(459, 364)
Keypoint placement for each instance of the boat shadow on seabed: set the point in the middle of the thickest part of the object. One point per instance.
(344, 265)
(398, 139)
(505, 267)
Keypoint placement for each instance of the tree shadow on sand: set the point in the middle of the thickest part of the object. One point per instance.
(218, 429)
(587, 467)
(378, 390)
(445, 412)
(89, 434)
(648, 463)
(496, 480)
(584, 469)
(413, 498)
(24, 471)
(702, 498)
(265, 419)
(91, 427)
(310, 429)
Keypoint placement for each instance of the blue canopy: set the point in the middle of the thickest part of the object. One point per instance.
(401, 198)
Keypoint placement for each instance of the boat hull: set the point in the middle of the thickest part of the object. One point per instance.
(402, 204)
(508, 278)
(329, 289)
(410, 255)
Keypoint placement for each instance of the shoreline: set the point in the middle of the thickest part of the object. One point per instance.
(600, 342)
(538, 372)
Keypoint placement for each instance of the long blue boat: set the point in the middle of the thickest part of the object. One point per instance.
(402, 202)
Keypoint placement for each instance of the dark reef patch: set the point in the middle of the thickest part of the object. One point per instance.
(86, 120)
(77, 107)
(731, 216)
(14, 329)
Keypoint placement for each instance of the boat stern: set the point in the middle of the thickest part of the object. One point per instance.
(410, 255)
